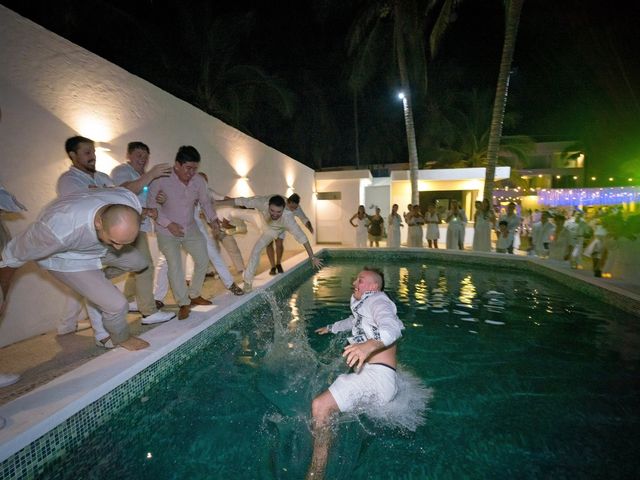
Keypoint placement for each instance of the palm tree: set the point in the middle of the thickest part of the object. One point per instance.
(399, 26)
(513, 9)
(464, 140)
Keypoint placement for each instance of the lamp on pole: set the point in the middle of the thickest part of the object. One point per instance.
(411, 144)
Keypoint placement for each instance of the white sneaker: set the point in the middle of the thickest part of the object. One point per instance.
(247, 287)
(133, 306)
(105, 343)
(158, 317)
(7, 379)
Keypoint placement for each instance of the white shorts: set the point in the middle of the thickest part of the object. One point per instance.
(374, 384)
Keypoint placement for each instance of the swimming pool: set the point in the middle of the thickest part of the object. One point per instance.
(539, 382)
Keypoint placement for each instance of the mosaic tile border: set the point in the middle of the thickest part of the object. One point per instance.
(31, 460)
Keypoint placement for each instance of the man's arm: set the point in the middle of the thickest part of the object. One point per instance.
(38, 241)
(155, 189)
(315, 261)
(340, 326)
(303, 218)
(68, 184)
(136, 186)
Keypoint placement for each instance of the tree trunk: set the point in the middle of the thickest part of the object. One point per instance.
(406, 102)
(356, 128)
(497, 118)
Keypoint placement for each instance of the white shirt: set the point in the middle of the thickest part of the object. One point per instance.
(124, 173)
(541, 232)
(513, 221)
(373, 317)
(298, 212)
(286, 223)
(64, 238)
(74, 180)
(504, 242)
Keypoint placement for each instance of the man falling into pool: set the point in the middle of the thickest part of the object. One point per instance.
(375, 329)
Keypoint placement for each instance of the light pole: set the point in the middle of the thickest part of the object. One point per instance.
(411, 144)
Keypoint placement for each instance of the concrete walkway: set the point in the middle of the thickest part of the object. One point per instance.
(45, 357)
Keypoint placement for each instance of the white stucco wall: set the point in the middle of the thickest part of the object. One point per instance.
(51, 89)
(351, 184)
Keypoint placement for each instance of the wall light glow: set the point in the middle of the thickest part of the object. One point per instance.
(242, 166)
(95, 128)
(242, 188)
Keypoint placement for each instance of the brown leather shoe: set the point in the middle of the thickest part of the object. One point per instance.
(184, 312)
(200, 301)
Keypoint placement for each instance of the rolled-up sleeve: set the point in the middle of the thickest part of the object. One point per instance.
(294, 229)
(152, 202)
(253, 202)
(205, 201)
(342, 325)
(385, 316)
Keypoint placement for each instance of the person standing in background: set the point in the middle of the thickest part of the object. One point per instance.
(433, 221)
(393, 230)
(376, 228)
(457, 224)
(415, 221)
(484, 223)
(362, 223)
(513, 221)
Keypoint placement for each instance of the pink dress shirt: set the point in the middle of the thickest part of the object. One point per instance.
(181, 202)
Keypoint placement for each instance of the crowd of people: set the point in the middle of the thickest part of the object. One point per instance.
(99, 228)
(558, 234)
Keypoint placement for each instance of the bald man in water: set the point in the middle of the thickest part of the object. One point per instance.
(74, 238)
(371, 352)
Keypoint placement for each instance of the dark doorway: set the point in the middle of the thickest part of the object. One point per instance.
(440, 198)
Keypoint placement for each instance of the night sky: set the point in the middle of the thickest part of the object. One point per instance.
(576, 71)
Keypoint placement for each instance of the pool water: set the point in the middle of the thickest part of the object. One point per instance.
(529, 379)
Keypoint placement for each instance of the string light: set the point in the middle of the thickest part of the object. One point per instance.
(589, 196)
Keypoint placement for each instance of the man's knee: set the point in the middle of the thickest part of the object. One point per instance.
(322, 407)
(115, 305)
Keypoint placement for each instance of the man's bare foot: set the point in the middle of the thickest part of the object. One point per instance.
(134, 343)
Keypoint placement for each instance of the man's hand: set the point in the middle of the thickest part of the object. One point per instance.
(226, 224)
(357, 353)
(175, 229)
(160, 170)
(161, 197)
(215, 230)
(322, 331)
(150, 212)
(316, 262)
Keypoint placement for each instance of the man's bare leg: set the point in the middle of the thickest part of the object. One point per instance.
(134, 343)
(271, 255)
(322, 409)
(279, 250)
